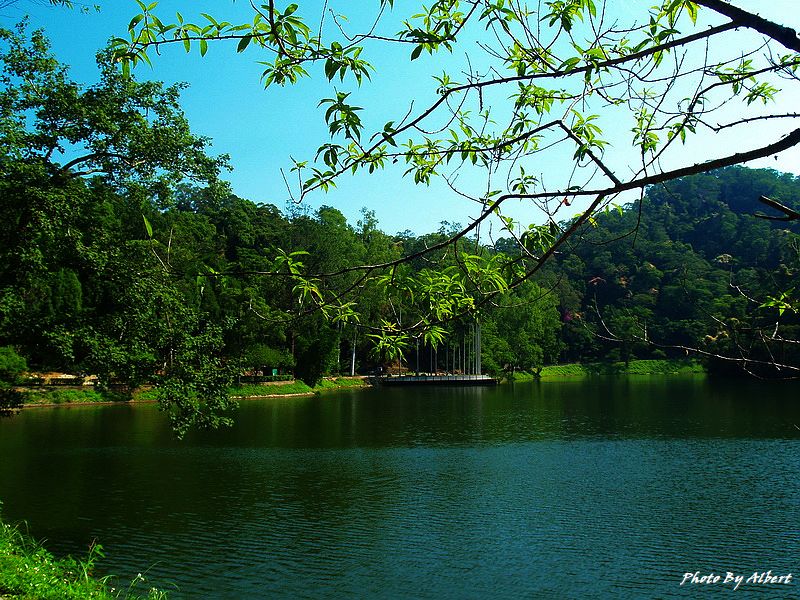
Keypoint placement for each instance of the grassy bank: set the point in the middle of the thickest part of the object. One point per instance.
(296, 387)
(28, 571)
(250, 390)
(635, 367)
(70, 396)
(58, 395)
(335, 383)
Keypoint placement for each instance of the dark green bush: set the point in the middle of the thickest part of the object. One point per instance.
(12, 365)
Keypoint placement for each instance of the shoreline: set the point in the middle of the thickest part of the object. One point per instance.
(71, 396)
(148, 401)
(87, 396)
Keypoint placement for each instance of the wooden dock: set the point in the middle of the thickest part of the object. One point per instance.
(455, 380)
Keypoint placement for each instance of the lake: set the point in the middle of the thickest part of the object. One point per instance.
(594, 488)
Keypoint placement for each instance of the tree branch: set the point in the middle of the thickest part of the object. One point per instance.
(711, 31)
(741, 18)
(791, 215)
(94, 156)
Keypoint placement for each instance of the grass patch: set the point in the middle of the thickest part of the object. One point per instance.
(570, 370)
(145, 394)
(635, 367)
(295, 387)
(58, 396)
(245, 390)
(28, 571)
(340, 382)
(666, 367)
(270, 389)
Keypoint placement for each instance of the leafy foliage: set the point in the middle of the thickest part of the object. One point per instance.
(124, 255)
(27, 570)
(691, 270)
(12, 365)
(579, 76)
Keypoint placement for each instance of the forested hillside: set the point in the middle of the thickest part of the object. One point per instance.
(692, 267)
(691, 270)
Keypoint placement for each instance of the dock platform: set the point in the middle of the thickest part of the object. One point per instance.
(459, 380)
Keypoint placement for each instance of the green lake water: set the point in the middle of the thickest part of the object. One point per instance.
(596, 488)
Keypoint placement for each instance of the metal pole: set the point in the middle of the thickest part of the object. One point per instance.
(470, 349)
(475, 347)
(478, 325)
(353, 356)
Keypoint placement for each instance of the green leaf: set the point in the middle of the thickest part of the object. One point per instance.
(135, 21)
(691, 7)
(244, 43)
(147, 227)
(569, 64)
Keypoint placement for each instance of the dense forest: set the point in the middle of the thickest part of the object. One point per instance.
(124, 254)
(694, 267)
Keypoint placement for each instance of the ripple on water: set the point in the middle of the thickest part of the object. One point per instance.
(538, 492)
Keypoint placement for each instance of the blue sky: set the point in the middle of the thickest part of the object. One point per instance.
(261, 129)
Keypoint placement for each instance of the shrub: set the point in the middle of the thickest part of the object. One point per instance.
(12, 365)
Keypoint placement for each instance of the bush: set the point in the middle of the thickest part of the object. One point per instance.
(261, 356)
(12, 365)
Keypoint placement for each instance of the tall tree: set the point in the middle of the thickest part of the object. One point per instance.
(83, 172)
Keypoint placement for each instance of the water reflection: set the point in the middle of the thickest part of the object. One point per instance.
(598, 488)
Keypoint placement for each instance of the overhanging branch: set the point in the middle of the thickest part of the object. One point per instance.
(790, 215)
(742, 18)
